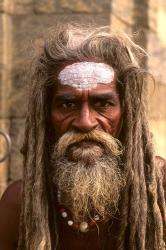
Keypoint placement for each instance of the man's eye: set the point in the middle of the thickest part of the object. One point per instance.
(103, 104)
(68, 105)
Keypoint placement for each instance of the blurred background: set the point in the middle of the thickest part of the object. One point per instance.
(24, 23)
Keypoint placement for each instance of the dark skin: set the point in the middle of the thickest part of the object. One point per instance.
(83, 111)
(10, 205)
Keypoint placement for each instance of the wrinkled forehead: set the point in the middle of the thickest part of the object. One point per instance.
(86, 75)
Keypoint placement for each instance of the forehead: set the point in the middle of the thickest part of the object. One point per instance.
(99, 89)
(86, 75)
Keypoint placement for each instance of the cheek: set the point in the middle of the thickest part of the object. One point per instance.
(60, 122)
(111, 122)
(116, 122)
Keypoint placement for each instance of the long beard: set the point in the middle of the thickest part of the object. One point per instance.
(87, 173)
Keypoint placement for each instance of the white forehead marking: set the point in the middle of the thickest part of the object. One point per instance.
(86, 75)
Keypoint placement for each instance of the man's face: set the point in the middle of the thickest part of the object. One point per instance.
(86, 110)
(86, 116)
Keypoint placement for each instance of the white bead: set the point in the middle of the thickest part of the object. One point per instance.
(59, 196)
(70, 222)
(83, 226)
(64, 214)
(96, 217)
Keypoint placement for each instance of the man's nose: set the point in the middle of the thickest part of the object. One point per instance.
(85, 120)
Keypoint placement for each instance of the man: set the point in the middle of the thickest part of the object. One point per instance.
(91, 180)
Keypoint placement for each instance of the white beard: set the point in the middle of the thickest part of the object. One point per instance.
(90, 178)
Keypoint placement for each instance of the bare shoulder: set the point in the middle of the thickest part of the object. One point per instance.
(10, 207)
(12, 195)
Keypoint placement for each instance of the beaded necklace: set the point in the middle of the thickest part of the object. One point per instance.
(83, 226)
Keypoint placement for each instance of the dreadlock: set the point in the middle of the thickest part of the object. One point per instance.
(143, 209)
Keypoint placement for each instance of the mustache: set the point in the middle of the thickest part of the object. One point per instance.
(101, 137)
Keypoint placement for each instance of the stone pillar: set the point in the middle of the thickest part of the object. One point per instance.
(157, 65)
(5, 86)
(121, 16)
(147, 21)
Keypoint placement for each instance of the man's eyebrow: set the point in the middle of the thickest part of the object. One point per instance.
(65, 97)
(92, 97)
(104, 96)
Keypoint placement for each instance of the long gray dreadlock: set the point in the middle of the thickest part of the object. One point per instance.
(143, 210)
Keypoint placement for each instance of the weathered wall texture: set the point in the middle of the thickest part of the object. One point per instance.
(148, 20)
(22, 22)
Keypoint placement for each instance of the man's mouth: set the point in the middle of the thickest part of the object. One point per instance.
(86, 144)
(85, 150)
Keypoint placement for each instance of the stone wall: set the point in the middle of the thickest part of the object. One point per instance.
(23, 22)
